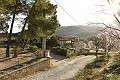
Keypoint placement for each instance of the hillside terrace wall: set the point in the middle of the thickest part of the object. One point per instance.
(42, 64)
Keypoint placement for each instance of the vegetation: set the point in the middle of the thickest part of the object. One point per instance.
(42, 21)
(101, 69)
(3, 25)
(36, 51)
(68, 45)
(11, 8)
(40, 16)
(97, 42)
(92, 69)
(52, 42)
(10, 4)
(59, 51)
(80, 31)
(63, 51)
(112, 72)
(33, 48)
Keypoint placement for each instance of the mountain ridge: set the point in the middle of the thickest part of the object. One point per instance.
(83, 32)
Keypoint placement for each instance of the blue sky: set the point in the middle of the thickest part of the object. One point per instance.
(82, 11)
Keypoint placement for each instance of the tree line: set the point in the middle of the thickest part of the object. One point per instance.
(41, 20)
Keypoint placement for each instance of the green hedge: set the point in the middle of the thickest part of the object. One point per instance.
(59, 51)
(63, 51)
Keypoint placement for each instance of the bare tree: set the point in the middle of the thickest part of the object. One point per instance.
(109, 34)
(111, 38)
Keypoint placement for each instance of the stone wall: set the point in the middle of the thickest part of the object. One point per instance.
(42, 64)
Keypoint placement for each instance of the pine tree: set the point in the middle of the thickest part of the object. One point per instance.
(42, 21)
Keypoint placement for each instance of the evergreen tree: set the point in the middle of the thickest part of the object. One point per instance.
(42, 21)
(11, 7)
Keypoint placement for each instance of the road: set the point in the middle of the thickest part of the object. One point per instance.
(64, 71)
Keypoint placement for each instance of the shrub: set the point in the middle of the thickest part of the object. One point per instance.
(39, 45)
(16, 49)
(59, 51)
(62, 52)
(117, 59)
(27, 46)
(38, 53)
(68, 45)
(55, 49)
(71, 52)
(33, 48)
(52, 42)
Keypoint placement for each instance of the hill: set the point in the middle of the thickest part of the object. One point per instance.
(80, 31)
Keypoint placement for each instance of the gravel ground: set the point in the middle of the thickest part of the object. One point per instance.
(66, 70)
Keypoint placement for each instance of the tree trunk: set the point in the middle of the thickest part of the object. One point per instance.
(15, 52)
(11, 29)
(17, 44)
(23, 29)
(96, 54)
(44, 45)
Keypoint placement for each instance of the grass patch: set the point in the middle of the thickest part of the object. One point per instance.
(114, 77)
(113, 71)
(97, 63)
(91, 71)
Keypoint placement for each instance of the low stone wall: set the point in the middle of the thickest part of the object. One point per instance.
(42, 64)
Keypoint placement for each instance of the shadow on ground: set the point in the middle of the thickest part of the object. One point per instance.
(57, 57)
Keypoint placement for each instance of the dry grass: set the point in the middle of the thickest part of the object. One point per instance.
(3, 51)
(108, 71)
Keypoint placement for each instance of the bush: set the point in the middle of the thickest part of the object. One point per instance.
(52, 42)
(38, 53)
(68, 45)
(27, 46)
(16, 49)
(59, 51)
(71, 53)
(117, 59)
(33, 48)
(39, 45)
(55, 49)
(62, 52)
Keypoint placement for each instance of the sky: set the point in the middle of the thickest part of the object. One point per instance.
(83, 11)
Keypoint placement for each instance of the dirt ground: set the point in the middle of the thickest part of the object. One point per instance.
(3, 51)
(6, 63)
(25, 56)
